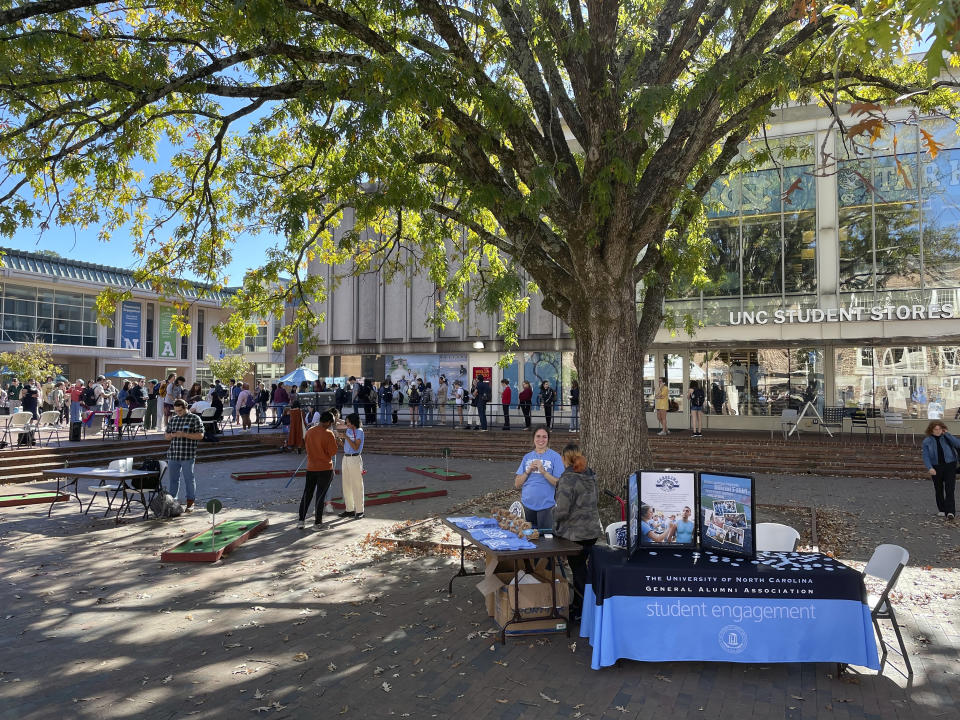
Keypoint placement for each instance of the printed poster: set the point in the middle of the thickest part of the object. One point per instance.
(726, 513)
(130, 325)
(667, 509)
(168, 336)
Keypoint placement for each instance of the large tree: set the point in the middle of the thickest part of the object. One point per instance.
(567, 143)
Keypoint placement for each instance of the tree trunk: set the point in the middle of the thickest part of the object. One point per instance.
(609, 358)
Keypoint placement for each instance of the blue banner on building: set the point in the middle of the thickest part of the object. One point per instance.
(130, 325)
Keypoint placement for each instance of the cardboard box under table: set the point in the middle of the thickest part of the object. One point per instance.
(522, 608)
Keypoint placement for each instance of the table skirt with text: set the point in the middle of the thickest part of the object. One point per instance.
(682, 605)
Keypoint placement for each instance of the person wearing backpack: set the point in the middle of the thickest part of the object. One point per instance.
(386, 402)
(413, 400)
(548, 396)
(697, 398)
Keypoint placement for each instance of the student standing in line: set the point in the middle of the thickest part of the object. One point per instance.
(525, 400)
(352, 468)
(505, 396)
(321, 444)
(574, 406)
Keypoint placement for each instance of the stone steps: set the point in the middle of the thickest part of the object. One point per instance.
(730, 452)
(26, 464)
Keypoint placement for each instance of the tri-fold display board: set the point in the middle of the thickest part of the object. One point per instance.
(669, 509)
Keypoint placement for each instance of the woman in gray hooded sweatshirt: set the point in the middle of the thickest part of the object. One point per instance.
(576, 517)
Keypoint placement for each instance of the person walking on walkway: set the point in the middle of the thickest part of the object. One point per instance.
(353, 468)
(184, 431)
(321, 445)
(940, 456)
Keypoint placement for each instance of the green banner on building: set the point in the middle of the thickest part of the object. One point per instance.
(168, 335)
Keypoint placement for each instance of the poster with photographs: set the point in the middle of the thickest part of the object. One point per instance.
(726, 513)
(633, 512)
(667, 509)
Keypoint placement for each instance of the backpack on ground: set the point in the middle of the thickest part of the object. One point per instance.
(698, 397)
(88, 397)
(163, 506)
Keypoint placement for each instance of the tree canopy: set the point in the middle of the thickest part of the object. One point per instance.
(475, 138)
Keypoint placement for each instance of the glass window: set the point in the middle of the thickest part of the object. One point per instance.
(258, 342)
(762, 228)
(149, 330)
(200, 332)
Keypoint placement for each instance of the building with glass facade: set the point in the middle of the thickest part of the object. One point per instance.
(51, 299)
(834, 274)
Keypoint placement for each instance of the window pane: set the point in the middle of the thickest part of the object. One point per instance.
(761, 255)
(897, 223)
(723, 265)
(941, 219)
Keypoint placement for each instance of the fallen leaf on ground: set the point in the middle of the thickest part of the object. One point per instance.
(301, 657)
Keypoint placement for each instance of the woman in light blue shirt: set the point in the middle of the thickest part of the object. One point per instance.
(537, 479)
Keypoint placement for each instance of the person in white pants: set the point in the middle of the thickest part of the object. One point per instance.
(352, 468)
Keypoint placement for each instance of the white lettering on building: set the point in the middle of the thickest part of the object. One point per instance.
(816, 315)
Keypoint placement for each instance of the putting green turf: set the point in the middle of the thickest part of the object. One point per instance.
(31, 498)
(226, 533)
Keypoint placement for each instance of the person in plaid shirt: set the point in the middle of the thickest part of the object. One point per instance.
(184, 429)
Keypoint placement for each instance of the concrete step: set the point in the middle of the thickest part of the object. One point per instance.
(27, 464)
(739, 452)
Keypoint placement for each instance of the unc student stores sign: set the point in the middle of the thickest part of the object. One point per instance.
(817, 315)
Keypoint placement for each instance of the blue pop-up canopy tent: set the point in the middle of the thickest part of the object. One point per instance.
(301, 374)
(124, 374)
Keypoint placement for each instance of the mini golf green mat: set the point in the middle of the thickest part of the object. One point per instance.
(225, 535)
(386, 497)
(34, 498)
(439, 473)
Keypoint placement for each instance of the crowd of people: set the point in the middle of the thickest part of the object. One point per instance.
(418, 403)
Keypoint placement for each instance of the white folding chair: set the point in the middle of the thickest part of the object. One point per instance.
(114, 488)
(49, 422)
(611, 533)
(886, 564)
(788, 418)
(893, 422)
(775, 537)
(19, 423)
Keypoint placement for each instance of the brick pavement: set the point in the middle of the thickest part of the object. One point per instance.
(95, 626)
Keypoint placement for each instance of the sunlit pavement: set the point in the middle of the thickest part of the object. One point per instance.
(309, 624)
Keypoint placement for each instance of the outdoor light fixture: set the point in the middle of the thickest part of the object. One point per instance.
(478, 345)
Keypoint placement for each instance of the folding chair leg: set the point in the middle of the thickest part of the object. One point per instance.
(903, 647)
(883, 645)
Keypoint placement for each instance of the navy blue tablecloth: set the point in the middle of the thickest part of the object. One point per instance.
(683, 605)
